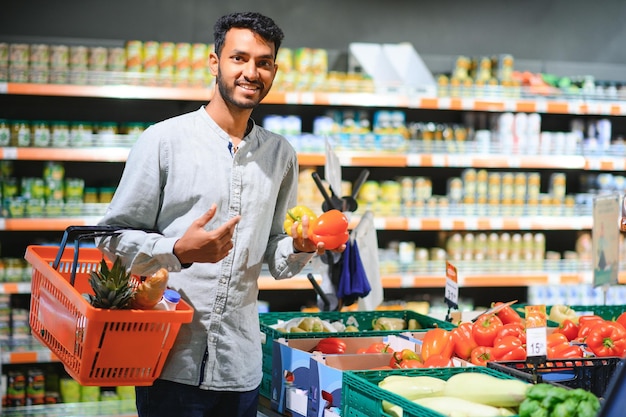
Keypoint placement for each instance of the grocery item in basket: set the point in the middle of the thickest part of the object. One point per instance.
(150, 291)
(112, 287)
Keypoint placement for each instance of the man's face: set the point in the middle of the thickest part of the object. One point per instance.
(246, 69)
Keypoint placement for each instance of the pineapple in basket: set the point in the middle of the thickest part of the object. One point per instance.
(112, 287)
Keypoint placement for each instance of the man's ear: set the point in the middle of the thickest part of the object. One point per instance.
(213, 63)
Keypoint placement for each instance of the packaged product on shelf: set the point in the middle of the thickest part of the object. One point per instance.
(182, 62)
(70, 390)
(116, 59)
(166, 61)
(89, 393)
(97, 58)
(35, 387)
(59, 57)
(20, 133)
(60, 134)
(81, 134)
(19, 54)
(5, 132)
(150, 62)
(16, 388)
(134, 56)
(40, 133)
(79, 64)
(97, 65)
(4, 55)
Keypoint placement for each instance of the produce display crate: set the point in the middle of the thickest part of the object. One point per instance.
(607, 312)
(97, 346)
(361, 396)
(591, 374)
(364, 319)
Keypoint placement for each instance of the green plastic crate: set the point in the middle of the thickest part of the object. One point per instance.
(361, 396)
(364, 318)
(606, 312)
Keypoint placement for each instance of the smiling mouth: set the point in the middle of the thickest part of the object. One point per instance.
(250, 87)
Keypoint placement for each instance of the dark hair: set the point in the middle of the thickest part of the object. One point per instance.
(256, 22)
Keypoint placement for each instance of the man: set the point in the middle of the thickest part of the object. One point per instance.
(216, 187)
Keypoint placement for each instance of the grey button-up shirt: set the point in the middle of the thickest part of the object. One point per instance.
(175, 171)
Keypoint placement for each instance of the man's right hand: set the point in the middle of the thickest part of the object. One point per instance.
(199, 245)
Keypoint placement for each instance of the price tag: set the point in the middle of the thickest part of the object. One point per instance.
(451, 296)
(536, 336)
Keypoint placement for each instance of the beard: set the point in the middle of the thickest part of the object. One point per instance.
(228, 93)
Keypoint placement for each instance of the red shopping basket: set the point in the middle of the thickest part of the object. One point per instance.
(97, 346)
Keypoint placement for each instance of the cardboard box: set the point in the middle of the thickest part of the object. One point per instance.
(292, 383)
(326, 373)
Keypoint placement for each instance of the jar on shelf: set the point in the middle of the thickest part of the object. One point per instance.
(20, 133)
(40, 133)
(81, 134)
(106, 194)
(91, 195)
(60, 134)
(5, 132)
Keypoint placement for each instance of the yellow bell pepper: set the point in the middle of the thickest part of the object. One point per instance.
(296, 214)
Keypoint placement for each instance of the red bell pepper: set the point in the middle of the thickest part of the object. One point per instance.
(568, 328)
(437, 341)
(331, 345)
(404, 356)
(585, 324)
(558, 347)
(486, 329)
(481, 355)
(513, 329)
(509, 348)
(331, 228)
(621, 319)
(607, 339)
(410, 364)
(507, 314)
(438, 361)
(376, 347)
(463, 340)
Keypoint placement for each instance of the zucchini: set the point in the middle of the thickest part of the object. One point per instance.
(486, 389)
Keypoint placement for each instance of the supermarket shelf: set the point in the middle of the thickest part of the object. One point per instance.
(34, 355)
(429, 274)
(355, 159)
(15, 288)
(108, 91)
(426, 222)
(557, 105)
(91, 154)
(121, 408)
(46, 223)
(434, 280)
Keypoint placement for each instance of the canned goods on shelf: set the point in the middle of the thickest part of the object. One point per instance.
(39, 56)
(59, 57)
(150, 60)
(79, 57)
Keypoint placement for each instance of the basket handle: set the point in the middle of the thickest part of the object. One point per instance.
(86, 232)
